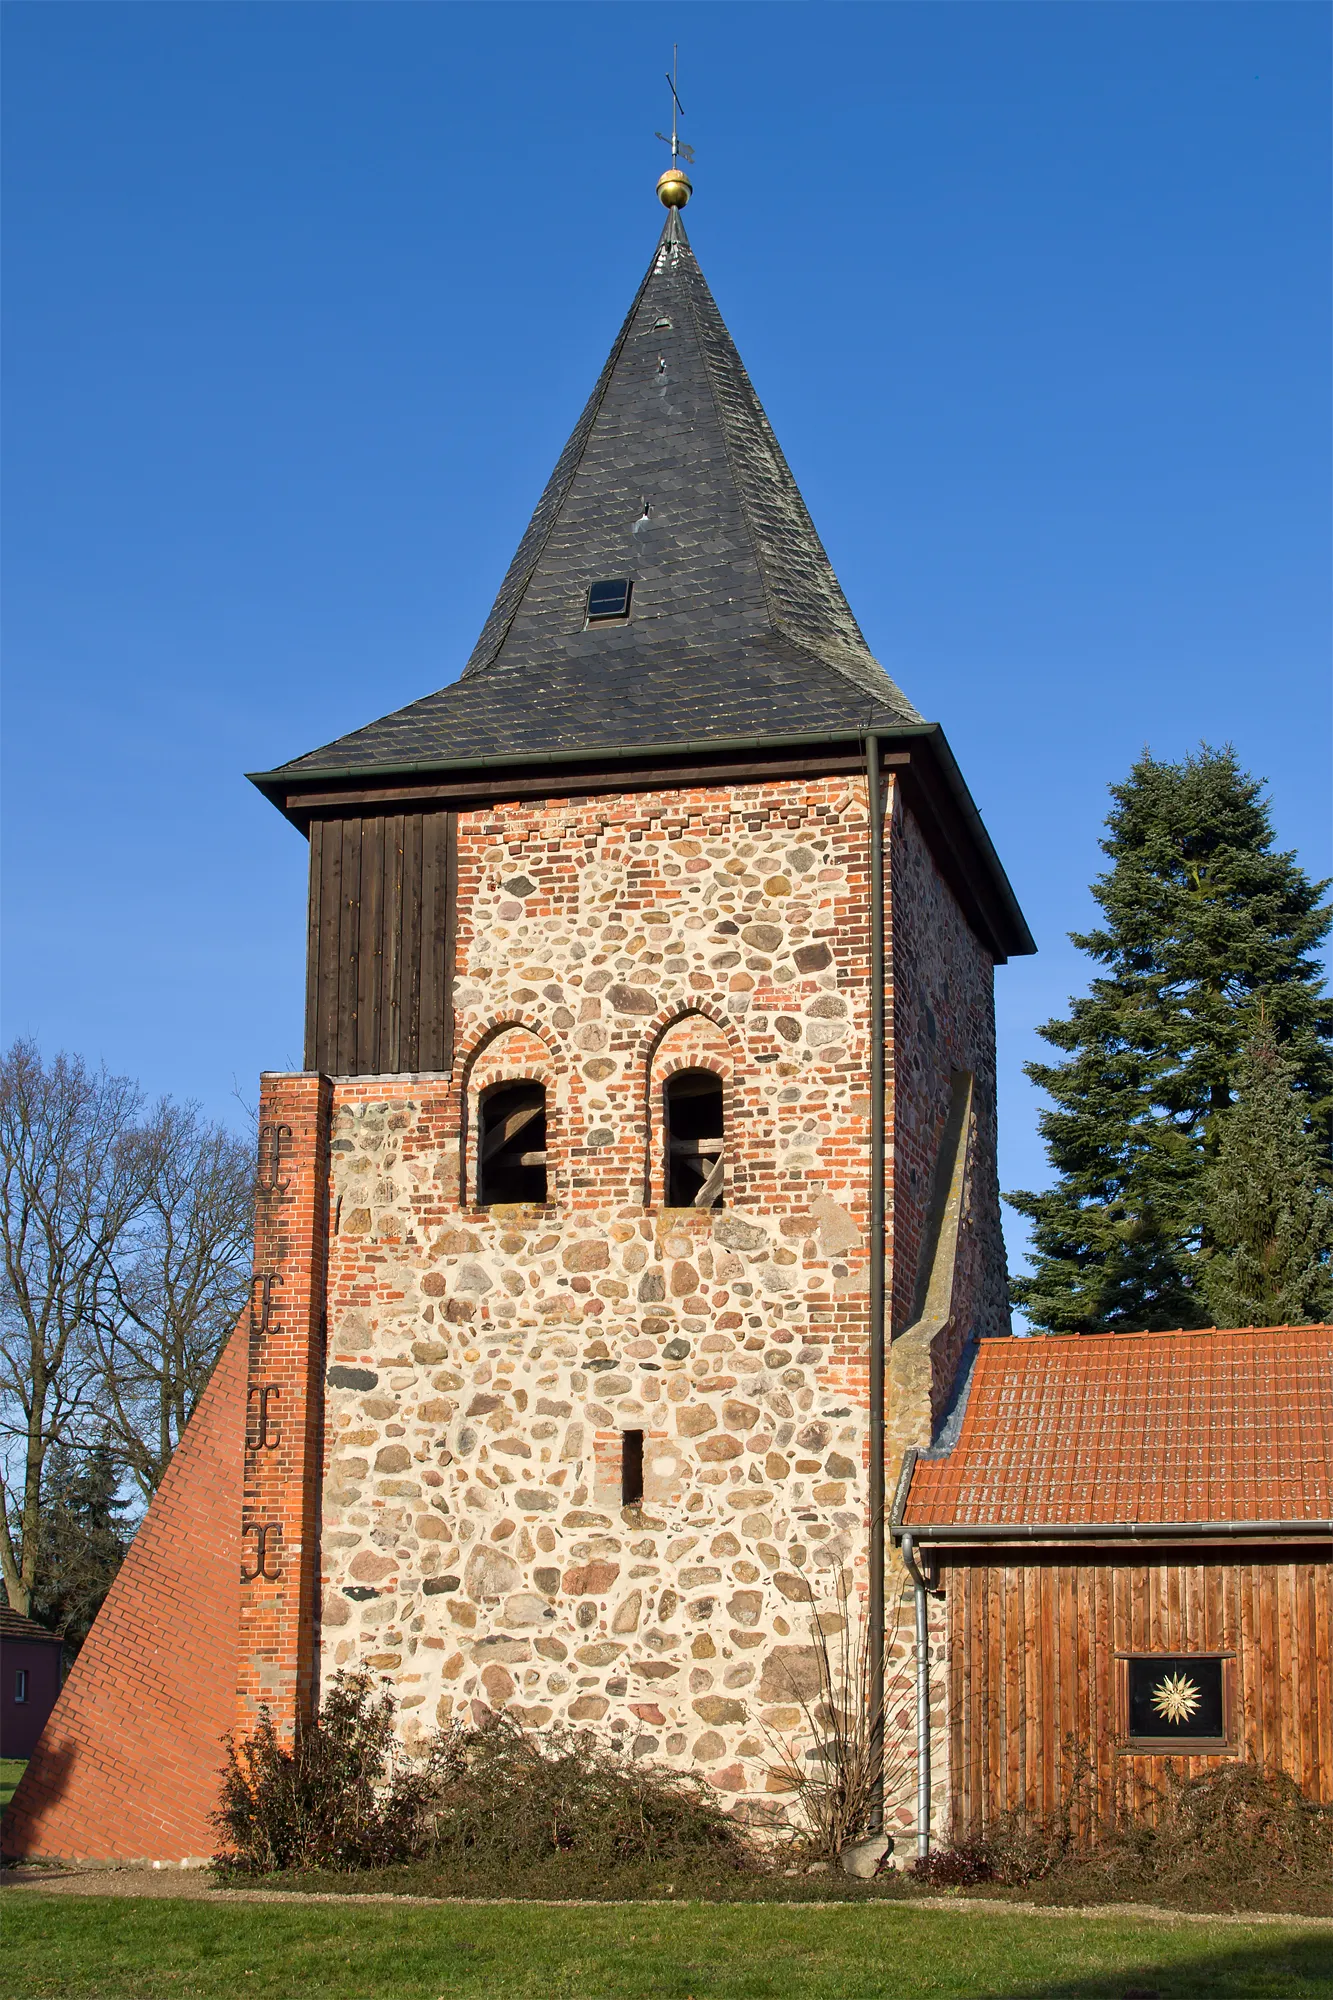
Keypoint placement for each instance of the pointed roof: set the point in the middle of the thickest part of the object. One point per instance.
(739, 639)
(672, 478)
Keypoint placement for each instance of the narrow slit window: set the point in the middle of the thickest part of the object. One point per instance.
(631, 1468)
(694, 1139)
(609, 599)
(21, 1684)
(511, 1144)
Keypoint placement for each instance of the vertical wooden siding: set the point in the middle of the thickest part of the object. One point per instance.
(1033, 1670)
(379, 966)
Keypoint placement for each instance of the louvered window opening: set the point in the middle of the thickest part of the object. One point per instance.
(511, 1145)
(695, 1139)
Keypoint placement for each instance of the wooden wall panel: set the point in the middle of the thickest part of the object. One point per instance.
(379, 963)
(1034, 1669)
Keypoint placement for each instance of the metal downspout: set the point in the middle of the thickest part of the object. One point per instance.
(877, 1440)
(922, 1702)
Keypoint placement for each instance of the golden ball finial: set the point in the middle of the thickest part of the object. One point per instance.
(673, 190)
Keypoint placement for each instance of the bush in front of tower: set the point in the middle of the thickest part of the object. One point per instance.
(341, 1796)
(509, 1799)
(490, 1799)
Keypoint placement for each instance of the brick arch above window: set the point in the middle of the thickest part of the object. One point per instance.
(510, 1053)
(516, 1039)
(690, 1024)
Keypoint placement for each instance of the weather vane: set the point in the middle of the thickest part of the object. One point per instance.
(673, 186)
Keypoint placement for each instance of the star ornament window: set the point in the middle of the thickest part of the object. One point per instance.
(1176, 1700)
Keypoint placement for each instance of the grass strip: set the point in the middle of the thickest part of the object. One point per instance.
(104, 1948)
(11, 1770)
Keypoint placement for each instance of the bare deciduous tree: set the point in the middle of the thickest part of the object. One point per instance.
(125, 1263)
(74, 1173)
(176, 1288)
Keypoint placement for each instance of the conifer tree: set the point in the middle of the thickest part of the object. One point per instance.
(1203, 923)
(82, 1541)
(1269, 1222)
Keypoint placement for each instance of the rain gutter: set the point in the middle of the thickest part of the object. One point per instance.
(935, 1533)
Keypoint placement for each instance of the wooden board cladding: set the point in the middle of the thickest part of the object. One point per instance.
(379, 968)
(1034, 1672)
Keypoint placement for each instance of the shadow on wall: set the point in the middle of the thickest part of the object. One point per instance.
(1302, 1964)
(41, 1788)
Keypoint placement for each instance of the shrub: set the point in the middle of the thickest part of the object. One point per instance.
(1232, 1827)
(495, 1796)
(858, 1751)
(503, 1794)
(1015, 1850)
(959, 1867)
(340, 1797)
(1236, 1829)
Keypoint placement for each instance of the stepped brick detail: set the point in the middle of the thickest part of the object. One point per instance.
(127, 1767)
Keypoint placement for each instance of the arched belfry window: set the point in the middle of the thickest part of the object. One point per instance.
(511, 1144)
(692, 1102)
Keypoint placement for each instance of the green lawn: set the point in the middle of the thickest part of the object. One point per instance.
(11, 1770)
(105, 1948)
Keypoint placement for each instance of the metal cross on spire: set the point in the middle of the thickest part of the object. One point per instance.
(679, 150)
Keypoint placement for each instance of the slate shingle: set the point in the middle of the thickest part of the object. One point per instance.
(739, 627)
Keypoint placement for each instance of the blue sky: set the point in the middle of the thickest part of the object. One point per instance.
(302, 302)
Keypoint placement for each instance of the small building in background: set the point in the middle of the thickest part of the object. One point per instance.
(31, 1669)
(1130, 1538)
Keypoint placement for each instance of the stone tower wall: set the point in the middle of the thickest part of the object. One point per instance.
(482, 1363)
(942, 1009)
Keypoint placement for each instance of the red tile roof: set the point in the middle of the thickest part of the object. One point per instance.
(13, 1625)
(1144, 1427)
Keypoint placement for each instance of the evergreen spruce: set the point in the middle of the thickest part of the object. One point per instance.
(1270, 1223)
(1205, 926)
(82, 1541)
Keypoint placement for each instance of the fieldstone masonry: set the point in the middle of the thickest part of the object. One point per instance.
(482, 1363)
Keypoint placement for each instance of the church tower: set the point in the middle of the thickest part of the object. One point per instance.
(639, 1195)
(637, 1204)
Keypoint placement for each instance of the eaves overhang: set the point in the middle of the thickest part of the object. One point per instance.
(998, 1532)
(919, 752)
(1108, 1534)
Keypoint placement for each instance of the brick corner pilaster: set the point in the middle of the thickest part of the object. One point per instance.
(284, 1404)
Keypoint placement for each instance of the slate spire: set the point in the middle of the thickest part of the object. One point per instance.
(673, 480)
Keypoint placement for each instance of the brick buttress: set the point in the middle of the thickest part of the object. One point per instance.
(285, 1342)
